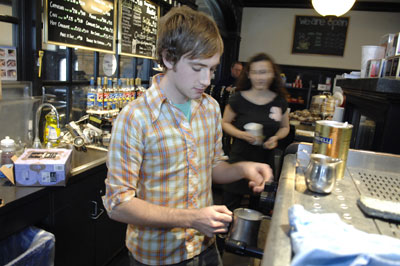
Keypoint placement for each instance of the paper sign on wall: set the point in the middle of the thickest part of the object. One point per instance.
(8, 63)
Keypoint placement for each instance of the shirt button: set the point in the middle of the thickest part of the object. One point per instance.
(190, 248)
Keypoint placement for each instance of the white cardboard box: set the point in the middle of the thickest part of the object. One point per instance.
(43, 167)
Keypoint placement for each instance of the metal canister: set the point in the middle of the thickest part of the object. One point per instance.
(333, 139)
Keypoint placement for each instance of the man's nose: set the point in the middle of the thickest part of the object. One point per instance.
(205, 78)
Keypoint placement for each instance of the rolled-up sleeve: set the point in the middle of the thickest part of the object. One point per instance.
(123, 160)
(218, 151)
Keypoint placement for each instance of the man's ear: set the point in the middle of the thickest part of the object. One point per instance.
(168, 64)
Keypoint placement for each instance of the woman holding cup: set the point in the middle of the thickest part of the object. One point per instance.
(256, 117)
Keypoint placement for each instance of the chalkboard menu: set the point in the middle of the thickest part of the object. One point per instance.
(138, 28)
(320, 35)
(67, 23)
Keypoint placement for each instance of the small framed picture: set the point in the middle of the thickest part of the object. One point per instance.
(386, 42)
(397, 45)
(395, 65)
(382, 71)
(375, 68)
(395, 72)
(398, 72)
(388, 67)
(368, 69)
(393, 45)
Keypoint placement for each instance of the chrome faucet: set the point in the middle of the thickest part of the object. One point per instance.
(36, 142)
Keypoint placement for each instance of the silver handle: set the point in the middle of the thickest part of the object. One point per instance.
(97, 212)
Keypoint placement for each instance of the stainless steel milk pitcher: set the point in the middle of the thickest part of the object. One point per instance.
(321, 173)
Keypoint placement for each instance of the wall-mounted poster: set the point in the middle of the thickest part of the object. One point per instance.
(85, 24)
(320, 35)
(8, 63)
(138, 28)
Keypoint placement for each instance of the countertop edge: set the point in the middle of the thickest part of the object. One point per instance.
(80, 169)
(278, 240)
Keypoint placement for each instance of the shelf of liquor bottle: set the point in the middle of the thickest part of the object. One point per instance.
(102, 112)
(303, 89)
(298, 89)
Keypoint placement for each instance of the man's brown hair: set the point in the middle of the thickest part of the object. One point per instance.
(186, 32)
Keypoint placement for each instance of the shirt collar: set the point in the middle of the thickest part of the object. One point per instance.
(155, 98)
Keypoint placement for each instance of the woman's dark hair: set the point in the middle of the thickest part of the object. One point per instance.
(243, 83)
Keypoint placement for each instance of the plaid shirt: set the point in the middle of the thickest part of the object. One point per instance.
(159, 156)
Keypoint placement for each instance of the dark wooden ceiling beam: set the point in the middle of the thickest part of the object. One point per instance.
(6, 2)
(358, 6)
(8, 19)
(277, 3)
(377, 6)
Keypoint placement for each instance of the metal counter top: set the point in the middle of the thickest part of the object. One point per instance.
(83, 161)
(367, 173)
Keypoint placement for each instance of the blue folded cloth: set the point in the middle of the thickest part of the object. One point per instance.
(324, 239)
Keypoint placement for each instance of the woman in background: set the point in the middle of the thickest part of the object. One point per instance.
(260, 98)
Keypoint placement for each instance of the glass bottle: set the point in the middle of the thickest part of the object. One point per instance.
(8, 148)
(51, 131)
(106, 94)
(91, 96)
(100, 96)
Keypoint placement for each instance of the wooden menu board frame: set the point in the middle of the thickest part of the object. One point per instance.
(67, 24)
(320, 35)
(141, 32)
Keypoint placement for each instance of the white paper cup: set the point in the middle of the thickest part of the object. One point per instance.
(369, 52)
(338, 114)
(256, 130)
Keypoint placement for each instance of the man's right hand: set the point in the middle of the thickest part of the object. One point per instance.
(212, 220)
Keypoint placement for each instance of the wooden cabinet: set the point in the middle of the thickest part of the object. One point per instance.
(21, 207)
(373, 108)
(85, 235)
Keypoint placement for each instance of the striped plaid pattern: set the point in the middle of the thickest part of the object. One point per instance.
(157, 155)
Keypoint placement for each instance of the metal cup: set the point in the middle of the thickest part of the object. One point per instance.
(321, 173)
(332, 138)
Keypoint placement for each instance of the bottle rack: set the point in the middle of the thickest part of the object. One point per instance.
(102, 112)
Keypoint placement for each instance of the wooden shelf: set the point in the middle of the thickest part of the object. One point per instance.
(305, 93)
(299, 89)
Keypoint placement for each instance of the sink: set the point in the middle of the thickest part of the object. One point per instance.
(82, 161)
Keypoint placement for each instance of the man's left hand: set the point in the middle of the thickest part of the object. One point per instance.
(257, 174)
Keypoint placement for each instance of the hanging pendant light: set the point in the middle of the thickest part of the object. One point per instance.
(99, 7)
(332, 7)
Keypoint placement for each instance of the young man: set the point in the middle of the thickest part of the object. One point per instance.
(166, 151)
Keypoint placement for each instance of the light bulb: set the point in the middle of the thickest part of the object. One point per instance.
(332, 7)
(99, 7)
